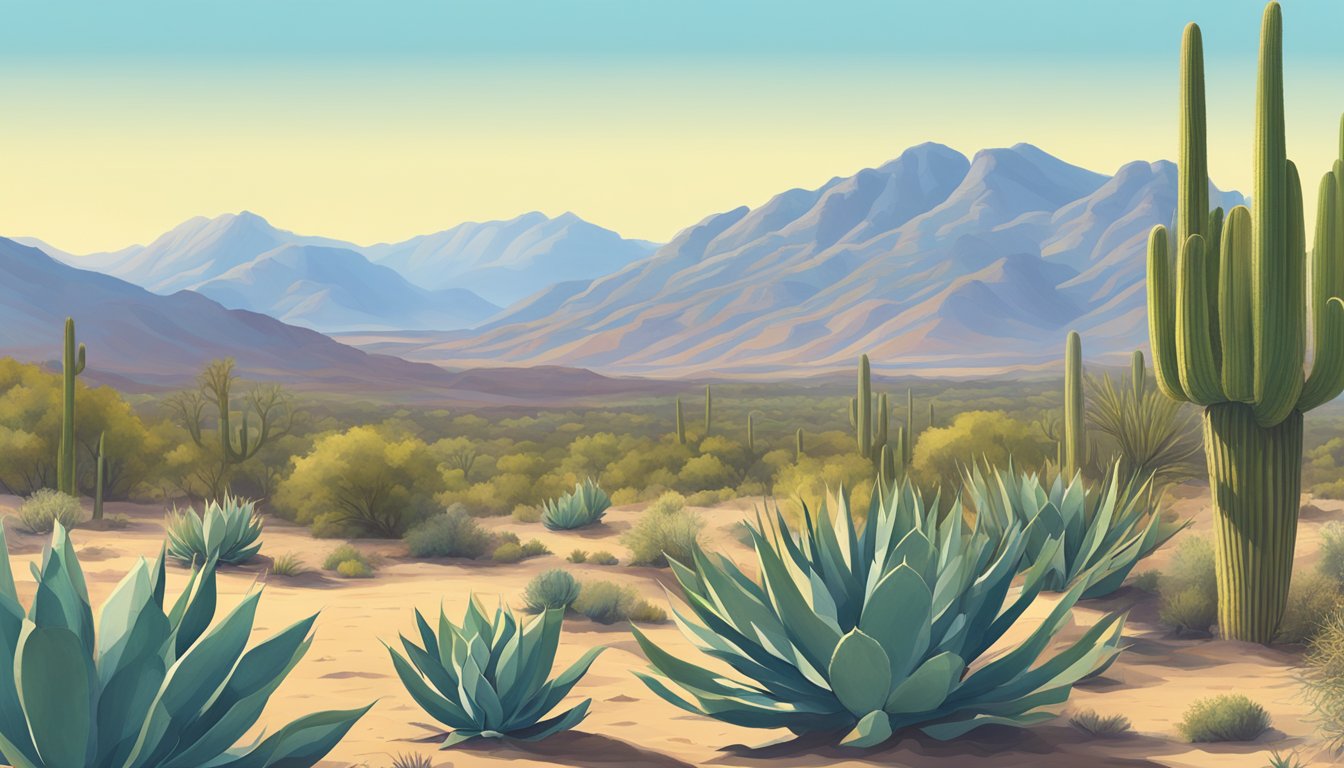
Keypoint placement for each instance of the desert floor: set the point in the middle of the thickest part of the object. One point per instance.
(1154, 681)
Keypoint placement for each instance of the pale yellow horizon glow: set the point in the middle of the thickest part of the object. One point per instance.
(98, 161)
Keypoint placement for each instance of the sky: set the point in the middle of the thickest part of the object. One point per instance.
(376, 121)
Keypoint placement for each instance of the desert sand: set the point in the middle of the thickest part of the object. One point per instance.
(1153, 682)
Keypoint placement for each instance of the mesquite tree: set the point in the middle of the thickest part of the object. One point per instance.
(1231, 335)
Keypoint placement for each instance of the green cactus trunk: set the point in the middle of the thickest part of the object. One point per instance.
(98, 482)
(709, 409)
(798, 445)
(863, 414)
(681, 424)
(751, 435)
(1074, 437)
(72, 364)
(1255, 478)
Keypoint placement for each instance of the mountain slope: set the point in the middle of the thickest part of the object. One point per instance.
(931, 261)
(334, 289)
(505, 261)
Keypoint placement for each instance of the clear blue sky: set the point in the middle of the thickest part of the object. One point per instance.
(379, 120)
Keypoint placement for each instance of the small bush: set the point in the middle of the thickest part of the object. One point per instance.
(1332, 552)
(508, 552)
(578, 556)
(602, 557)
(534, 548)
(287, 564)
(1229, 717)
(1189, 588)
(608, 603)
(1148, 581)
(666, 529)
(451, 534)
(1290, 760)
(342, 554)
(525, 513)
(354, 569)
(1312, 599)
(710, 498)
(669, 503)
(411, 761)
(552, 589)
(1099, 726)
(1324, 679)
(44, 508)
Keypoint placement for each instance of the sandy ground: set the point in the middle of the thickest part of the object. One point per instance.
(1152, 683)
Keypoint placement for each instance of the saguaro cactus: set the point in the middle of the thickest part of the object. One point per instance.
(751, 434)
(798, 445)
(863, 409)
(709, 412)
(98, 480)
(681, 424)
(1073, 448)
(72, 364)
(1230, 335)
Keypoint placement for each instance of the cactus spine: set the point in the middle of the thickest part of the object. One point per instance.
(1230, 335)
(98, 480)
(1073, 446)
(72, 364)
(681, 424)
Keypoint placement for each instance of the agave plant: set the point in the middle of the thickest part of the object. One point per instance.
(585, 506)
(225, 533)
(865, 631)
(1104, 531)
(144, 687)
(487, 678)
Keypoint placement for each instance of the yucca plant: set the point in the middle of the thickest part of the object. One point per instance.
(1155, 435)
(224, 533)
(487, 677)
(583, 507)
(144, 687)
(866, 631)
(1104, 530)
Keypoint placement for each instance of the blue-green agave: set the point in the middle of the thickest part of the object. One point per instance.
(487, 678)
(585, 506)
(144, 688)
(225, 533)
(1105, 530)
(864, 631)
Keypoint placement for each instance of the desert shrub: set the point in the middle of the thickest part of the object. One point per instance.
(362, 482)
(535, 548)
(989, 436)
(1324, 679)
(602, 557)
(578, 556)
(508, 552)
(1148, 581)
(354, 569)
(287, 564)
(1228, 717)
(710, 498)
(583, 507)
(1332, 552)
(1312, 599)
(94, 691)
(608, 603)
(1290, 760)
(667, 529)
(555, 588)
(896, 658)
(44, 508)
(225, 532)
(345, 553)
(1154, 435)
(527, 513)
(519, 694)
(1189, 587)
(1100, 726)
(453, 533)
(410, 760)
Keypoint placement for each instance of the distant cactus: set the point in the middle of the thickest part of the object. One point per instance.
(751, 434)
(863, 409)
(72, 364)
(98, 480)
(1229, 333)
(709, 409)
(1073, 447)
(681, 424)
(798, 445)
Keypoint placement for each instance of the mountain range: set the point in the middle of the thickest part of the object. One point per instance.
(433, 282)
(931, 262)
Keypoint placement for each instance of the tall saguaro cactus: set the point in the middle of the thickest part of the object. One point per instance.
(1229, 333)
(709, 412)
(681, 424)
(72, 364)
(1073, 449)
(862, 408)
(98, 479)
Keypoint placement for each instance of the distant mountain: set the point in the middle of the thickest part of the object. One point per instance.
(334, 289)
(931, 261)
(505, 261)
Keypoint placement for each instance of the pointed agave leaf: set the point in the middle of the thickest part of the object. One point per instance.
(55, 681)
(860, 673)
(928, 686)
(873, 729)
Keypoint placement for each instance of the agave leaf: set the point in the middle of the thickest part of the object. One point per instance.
(303, 742)
(57, 690)
(897, 616)
(439, 707)
(953, 729)
(860, 673)
(873, 729)
(562, 722)
(928, 686)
